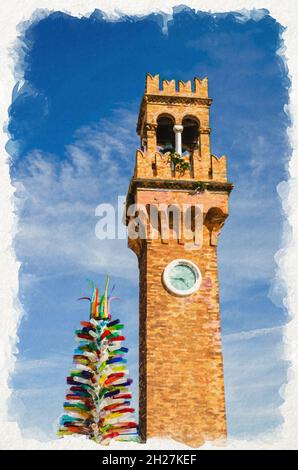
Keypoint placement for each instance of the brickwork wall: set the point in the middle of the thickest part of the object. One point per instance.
(142, 343)
(180, 363)
(181, 371)
(207, 199)
(184, 385)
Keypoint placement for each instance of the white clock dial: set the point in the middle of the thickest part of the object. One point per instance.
(182, 277)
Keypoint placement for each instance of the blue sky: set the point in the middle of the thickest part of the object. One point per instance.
(72, 145)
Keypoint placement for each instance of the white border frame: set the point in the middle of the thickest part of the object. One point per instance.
(12, 14)
(167, 281)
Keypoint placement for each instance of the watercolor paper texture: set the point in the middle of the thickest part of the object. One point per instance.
(73, 77)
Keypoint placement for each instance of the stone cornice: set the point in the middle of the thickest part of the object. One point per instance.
(177, 99)
(170, 99)
(172, 184)
(150, 126)
(204, 130)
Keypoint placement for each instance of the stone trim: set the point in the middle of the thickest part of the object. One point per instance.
(191, 185)
(172, 100)
(204, 130)
(182, 185)
(150, 127)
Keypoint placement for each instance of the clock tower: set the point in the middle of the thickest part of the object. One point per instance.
(180, 191)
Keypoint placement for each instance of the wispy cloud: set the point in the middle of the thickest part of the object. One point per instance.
(57, 200)
(58, 194)
(26, 365)
(254, 376)
(251, 334)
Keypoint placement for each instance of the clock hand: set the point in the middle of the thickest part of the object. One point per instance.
(181, 279)
(186, 283)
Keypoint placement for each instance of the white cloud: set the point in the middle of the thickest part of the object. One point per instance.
(255, 14)
(246, 335)
(26, 365)
(56, 200)
(255, 373)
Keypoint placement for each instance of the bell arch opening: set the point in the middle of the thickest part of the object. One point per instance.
(190, 139)
(190, 134)
(165, 136)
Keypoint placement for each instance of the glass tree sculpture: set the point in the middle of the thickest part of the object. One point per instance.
(98, 401)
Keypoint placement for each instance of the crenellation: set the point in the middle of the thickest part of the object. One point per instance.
(169, 86)
(152, 83)
(199, 88)
(180, 104)
(184, 87)
(219, 168)
(162, 167)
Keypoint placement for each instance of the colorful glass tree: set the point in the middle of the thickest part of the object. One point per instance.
(98, 402)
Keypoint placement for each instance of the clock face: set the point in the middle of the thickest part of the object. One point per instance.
(182, 277)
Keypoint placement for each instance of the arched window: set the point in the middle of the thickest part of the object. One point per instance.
(190, 134)
(165, 137)
(190, 139)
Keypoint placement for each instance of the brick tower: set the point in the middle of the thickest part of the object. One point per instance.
(180, 355)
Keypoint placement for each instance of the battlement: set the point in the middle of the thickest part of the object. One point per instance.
(219, 168)
(199, 88)
(157, 165)
(175, 115)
